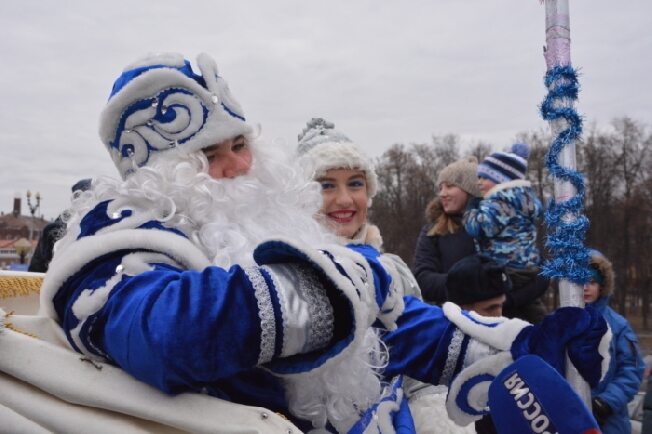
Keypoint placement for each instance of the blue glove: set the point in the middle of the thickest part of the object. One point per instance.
(582, 332)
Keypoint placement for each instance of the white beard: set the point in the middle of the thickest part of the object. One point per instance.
(272, 200)
(227, 219)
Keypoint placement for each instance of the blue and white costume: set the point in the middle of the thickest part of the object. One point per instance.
(138, 282)
(145, 299)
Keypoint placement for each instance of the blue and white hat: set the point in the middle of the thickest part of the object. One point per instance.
(502, 167)
(159, 103)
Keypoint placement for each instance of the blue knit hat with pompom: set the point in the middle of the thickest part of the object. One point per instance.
(502, 167)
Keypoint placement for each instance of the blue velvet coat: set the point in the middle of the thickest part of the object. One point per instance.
(134, 300)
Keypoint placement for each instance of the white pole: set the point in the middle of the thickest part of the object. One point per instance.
(557, 53)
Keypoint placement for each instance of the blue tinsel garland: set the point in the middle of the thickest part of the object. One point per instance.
(565, 238)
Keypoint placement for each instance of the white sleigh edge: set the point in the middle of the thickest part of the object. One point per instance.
(46, 387)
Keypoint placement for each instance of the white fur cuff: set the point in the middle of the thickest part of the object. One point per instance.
(497, 332)
(468, 395)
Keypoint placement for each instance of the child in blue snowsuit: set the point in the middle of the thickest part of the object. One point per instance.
(623, 378)
(503, 225)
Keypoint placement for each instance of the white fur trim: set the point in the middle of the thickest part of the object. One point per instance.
(402, 277)
(478, 395)
(171, 59)
(506, 185)
(90, 301)
(334, 155)
(394, 305)
(477, 350)
(430, 416)
(497, 332)
(87, 304)
(381, 421)
(69, 262)
(392, 308)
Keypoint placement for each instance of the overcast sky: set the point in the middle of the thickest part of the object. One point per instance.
(384, 72)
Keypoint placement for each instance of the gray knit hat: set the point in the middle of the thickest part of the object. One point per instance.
(463, 174)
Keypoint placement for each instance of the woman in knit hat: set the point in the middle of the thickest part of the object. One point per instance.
(503, 225)
(625, 372)
(349, 183)
(443, 240)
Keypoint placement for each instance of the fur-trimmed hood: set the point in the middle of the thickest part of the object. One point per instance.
(434, 210)
(605, 268)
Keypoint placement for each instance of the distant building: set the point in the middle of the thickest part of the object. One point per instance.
(13, 227)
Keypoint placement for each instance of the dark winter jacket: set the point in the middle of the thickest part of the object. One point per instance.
(436, 254)
(625, 370)
(504, 224)
(43, 252)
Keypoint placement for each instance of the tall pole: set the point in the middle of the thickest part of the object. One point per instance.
(32, 210)
(557, 56)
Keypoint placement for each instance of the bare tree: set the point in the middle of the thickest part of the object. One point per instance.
(480, 151)
(407, 179)
(617, 166)
(629, 138)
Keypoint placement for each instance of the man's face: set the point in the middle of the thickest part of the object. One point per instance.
(490, 307)
(229, 159)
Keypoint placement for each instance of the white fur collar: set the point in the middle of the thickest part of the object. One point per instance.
(368, 234)
(506, 185)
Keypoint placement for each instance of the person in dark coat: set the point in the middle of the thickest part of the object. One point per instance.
(51, 233)
(478, 284)
(443, 240)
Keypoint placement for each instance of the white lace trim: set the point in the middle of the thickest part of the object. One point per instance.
(265, 313)
(322, 319)
(454, 350)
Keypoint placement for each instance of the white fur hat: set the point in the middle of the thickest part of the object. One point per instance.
(159, 103)
(326, 148)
